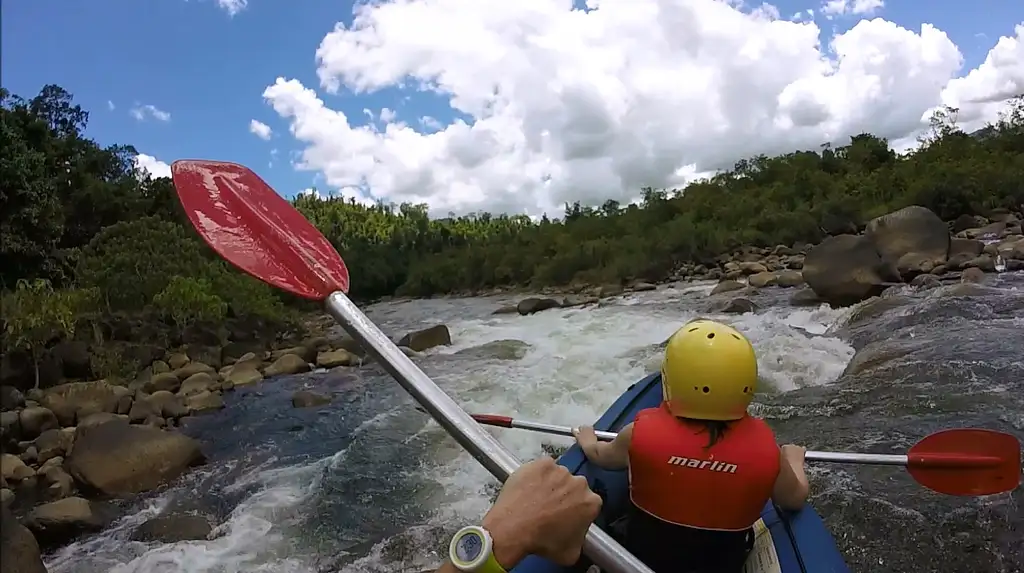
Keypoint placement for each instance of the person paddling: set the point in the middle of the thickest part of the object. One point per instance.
(701, 468)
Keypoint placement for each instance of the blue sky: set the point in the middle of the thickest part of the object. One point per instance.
(208, 69)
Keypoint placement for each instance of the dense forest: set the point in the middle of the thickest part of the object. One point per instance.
(86, 233)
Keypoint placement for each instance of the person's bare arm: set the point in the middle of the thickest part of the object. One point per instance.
(613, 455)
(791, 487)
(542, 510)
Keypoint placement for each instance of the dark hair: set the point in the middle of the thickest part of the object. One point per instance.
(715, 429)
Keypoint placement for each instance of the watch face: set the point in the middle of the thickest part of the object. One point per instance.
(468, 547)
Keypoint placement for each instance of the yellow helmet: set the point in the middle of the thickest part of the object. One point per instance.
(709, 372)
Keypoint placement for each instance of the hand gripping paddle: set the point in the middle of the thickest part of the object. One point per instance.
(256, 230)
(967, 461)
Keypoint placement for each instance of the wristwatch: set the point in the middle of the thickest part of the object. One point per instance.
(472, 550)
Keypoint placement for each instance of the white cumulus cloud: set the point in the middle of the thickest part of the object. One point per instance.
(567, 105)
(851, 7)
(152, 165)
(143, 112)
(260, 129)
(232, 7)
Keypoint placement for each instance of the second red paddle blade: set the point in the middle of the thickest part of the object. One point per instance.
(967, 461)
(257, 230)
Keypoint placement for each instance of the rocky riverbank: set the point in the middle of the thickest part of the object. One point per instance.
(73, 453)
(910, 246)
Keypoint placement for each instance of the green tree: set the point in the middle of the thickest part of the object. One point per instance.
(188, 300)
(35, 315)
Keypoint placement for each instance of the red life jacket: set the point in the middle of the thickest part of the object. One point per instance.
(674, 478)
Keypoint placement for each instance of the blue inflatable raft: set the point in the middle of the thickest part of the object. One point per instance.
(786, 542)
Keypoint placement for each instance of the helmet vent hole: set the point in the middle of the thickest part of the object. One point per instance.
(694, 329)
(746, 389)
(706, 389)
(736, 337)
(711, 335)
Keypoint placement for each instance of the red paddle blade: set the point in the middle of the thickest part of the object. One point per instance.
(492, 420)
(257, 230)
(967, 462)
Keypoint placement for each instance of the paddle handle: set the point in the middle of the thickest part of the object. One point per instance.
(608, 554)
(811, 456)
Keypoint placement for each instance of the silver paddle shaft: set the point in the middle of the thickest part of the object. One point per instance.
(811, 456)
(608, 554)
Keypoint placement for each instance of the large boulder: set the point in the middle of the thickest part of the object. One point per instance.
(19, 550)
(117, 460)
(60, 521)
(846, 269)
(75, 401)
(173, 528)
(532, 305)
(913, 229)
(421, 340)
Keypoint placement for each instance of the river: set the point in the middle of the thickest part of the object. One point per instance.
(370, 484)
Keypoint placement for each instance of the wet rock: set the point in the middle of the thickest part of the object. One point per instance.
(846, 269)
(727, 286)
(13, 469)
(911, 265)
(972, 275)
(193, 368)
(420, 340)
(985, 262)
(196, 384)
(6, 498)
(243, 375)
(789, 278)
(57, 484)
(307, 353)
(335, 358)
(969, 247)
(507, 309)
(164, 404)
(641, 286)
(763, 279)
(173, 528)
(116, 461)
(35, 420)
(506, 349)
(287, 364)
(58, 522)
(167, 381)
(573, 301)
(307, 399)
(925, 282)
(99, 418)
(533, 305)
(912, 229)
(178, 360)
(752, 268)
(74, 401)
(605, 291)
(19, 550)
(204, 401)
(737, 305)
(54, 443)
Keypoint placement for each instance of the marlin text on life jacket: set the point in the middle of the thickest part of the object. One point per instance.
(703, 464)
